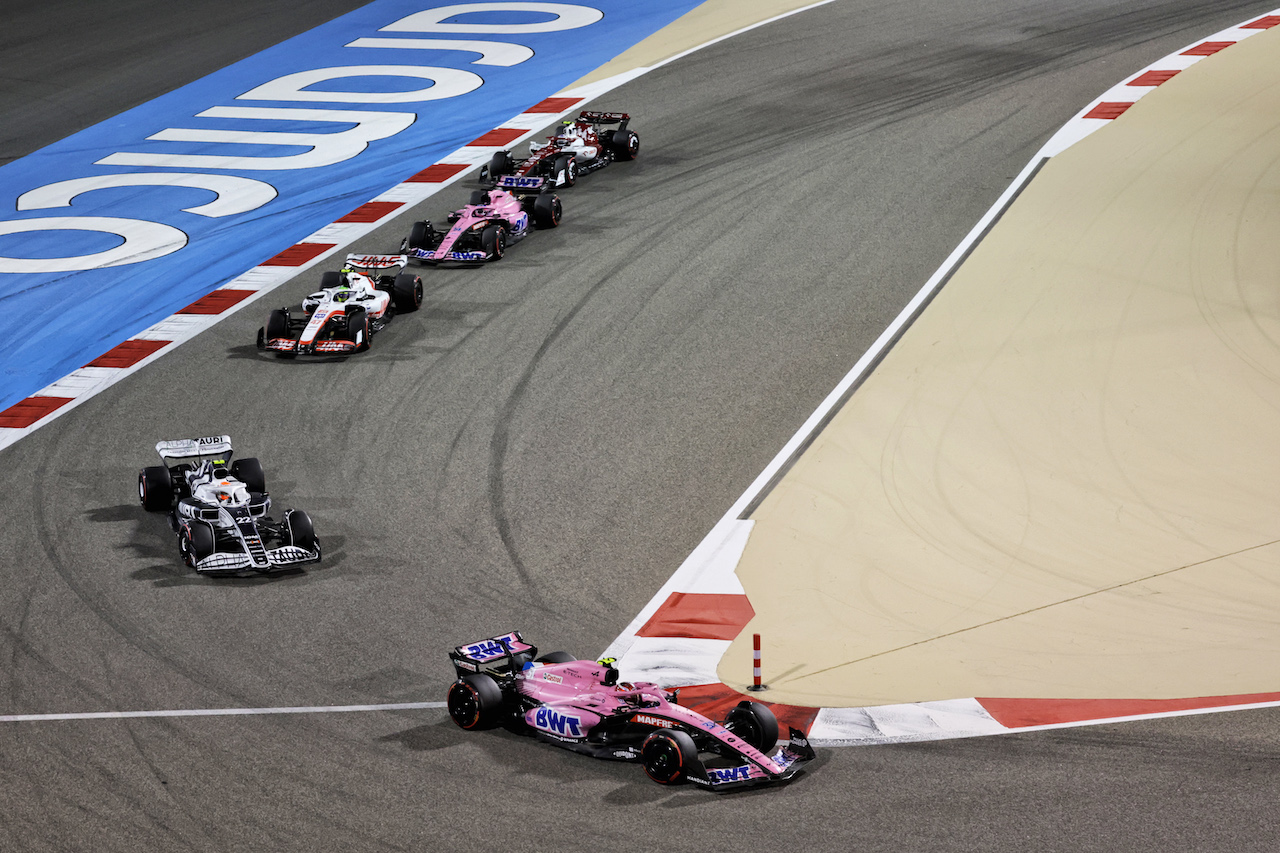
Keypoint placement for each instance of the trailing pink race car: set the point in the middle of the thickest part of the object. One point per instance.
(482, 230)
(580, 705)
(578, 148)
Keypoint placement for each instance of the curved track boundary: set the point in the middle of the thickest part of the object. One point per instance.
(681, 635)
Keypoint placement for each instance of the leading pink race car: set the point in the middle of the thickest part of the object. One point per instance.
(580, 705)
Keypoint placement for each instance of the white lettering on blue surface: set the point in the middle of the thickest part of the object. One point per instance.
(145, 240)
(491, 52)
(445, 83)
(142, 241)
(234, 194)
(326, 148)
(568, 17)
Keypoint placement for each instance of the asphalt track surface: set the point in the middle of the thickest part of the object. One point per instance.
(538, 448)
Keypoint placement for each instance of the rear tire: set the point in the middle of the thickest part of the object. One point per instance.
(330, 279)
(625, 145)
(155, 488)
(475, 702)
(755, 724)
(667, 756)
(493, 240)
(249, 471)
(407, 292)
(568, 164)
(547, 211)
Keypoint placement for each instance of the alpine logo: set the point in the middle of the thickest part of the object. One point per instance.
(562, 724)
(648, 720)
(730, 774)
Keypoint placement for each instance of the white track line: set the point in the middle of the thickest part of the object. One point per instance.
(219, 712)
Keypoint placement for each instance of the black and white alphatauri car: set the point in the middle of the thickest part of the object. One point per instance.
(220, 511)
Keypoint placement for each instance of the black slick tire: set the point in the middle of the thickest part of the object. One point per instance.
(302, 533)
(155, 488)
(493, 241)
(547, 211)
(556, 657)
(568, 164)
(754, 723)
(475, 702)
(330, 279)
(249, 471)
(407, 292)
(358, 328)
(625, 145)
(420, 236)
(668, 755)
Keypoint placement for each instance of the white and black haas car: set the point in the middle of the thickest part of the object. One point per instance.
(579, 147)
(220, 511)
(349, 308)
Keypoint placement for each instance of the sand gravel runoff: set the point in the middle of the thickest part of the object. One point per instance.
(1063, 480)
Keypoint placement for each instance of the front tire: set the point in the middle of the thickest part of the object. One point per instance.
(754, 723)
(155, 488)
(668, 755)
(358, 328)
(556, 657)
(493, 241)
(249, 471)
(302, 533)
(475, 702)
(420, 236)
(568, 164)
(196, 542)
(500, 164)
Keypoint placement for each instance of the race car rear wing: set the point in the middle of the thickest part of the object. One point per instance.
(520, 184)
(496, 655)
(177, 451)
(605, 118)
(376, 262)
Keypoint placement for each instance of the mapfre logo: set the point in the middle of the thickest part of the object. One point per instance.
(649, 720)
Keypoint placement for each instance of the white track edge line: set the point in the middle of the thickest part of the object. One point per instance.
(219, 712)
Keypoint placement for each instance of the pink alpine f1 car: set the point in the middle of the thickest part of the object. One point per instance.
(580, 705)
(482, 230)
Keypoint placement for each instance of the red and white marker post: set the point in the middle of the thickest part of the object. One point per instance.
(755, 670)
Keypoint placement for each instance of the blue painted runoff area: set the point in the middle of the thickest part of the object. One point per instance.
(112, 229)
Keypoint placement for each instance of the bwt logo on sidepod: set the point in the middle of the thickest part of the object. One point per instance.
(145, 240)
(557, 723)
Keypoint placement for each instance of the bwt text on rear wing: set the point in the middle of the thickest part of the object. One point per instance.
(518, 184)
(496, 652)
